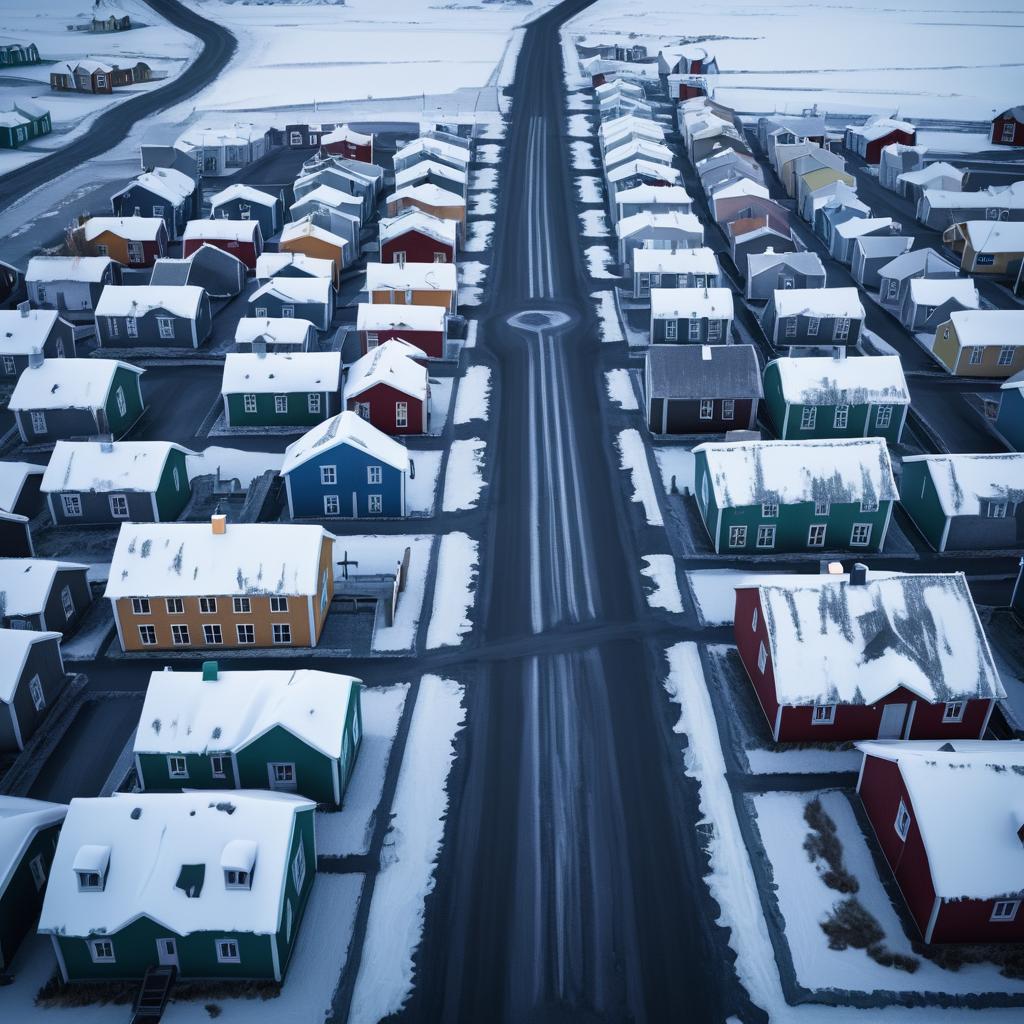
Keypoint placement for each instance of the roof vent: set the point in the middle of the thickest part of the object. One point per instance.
(705, 353)
(136, 813)
(948, 748)
(858, 575)
(219, 523)
(211, 671)
(24, 308)
(106, 446)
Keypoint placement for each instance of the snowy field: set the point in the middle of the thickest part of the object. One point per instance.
(421, 490)
(590, 189)
(599, 259)
(920, 58)
(464, 476)
(608, 316)
(454, 591)
(593, 224)
(620, 389)
(633, 457)
(440, 403)
(661, 571)
(473, 398)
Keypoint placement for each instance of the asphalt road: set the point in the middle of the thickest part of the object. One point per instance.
(113, 126)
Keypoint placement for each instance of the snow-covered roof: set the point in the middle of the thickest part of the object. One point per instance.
(429, 193)
(10, 119)
(46, 269)
(630, 126)
(934, 291)
(968, 803)
(740, 187)
(107, 465)
(660, 219)
(995, 236)
(838, 470)
(675, 261)
(280, 372)
(436, 146)
(653, 195)
(182, 300)
(759, 232)
(415, 219)
(12, 479)
(20, 822)
(917, 261)
(151, 838)
(857, 226)
(222, 229)
(185, 713)
(305, 228)
(89, 66)
(820, 302)
(691, 303)
(343, 133)
(385, 316)
(25, 583)
(329, 196)
(246, 192)
(627, 147)
(15, 645)
(939, 169)
(431, 167)
(270, 263)
(989, 326)
(836, 642)
(285, 330)
(165, 182)
(439, 277)
(880, 246)
(1010, 197)
(1014, 383)
(189, 559)
(346, 428)
(645, 168)
(804, 262)
(387, 364)
(821, 380)
(296, 289)
(877, 127)
(67, 384)
(964, 482)
(134, 229)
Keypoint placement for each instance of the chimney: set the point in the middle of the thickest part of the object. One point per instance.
(259, 346)
(24, 308)
(219, 523)
(36, 359)
(211, 671)
(705, 353)
(858, 575)
(106, 447)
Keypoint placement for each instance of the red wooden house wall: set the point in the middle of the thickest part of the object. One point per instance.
(997, 131)
(430, 342)
(381, 399)
(247, 252)
(418, 248)
(873, 152)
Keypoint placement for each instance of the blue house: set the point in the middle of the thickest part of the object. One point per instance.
(1010, 418)
(345, 468)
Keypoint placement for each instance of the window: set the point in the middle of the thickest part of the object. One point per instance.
(147, 636)
(260, 311)
(816, 535)
(860, 535)
(440, 257)
(1007, 132)
(892, 290)
(67, 602)
(101, 951)
(953, 711)
(707, 408)
(38, 869)
(374, 503)
(249, 403)
(208, 605)
(282, 633)
(136, 254)
(227, 951)
(791, 325)
(140, 606)
(399, 258)
(177, 768)
(372, 340)
(90, 881)
(38, 422)
(279, 604)
(118, 506)
(158, 211)
(728, 408)
(299, 867)
(179, 635)
(996, 510)
(813, 323)
(35, 689)
(693, 330)
(104, 250)
(324, 591)
(72, 504)
(10, 366)
(808, 418)
(131, 326)
(217, 768)
(869, 505)
(753, 622)
(328, 474)
(977, 356)
(823, 714)
(737, 536)
(237, 879)
(241, 605)
(883, 417)
(821, 508)
(332, 505)
(1005, 356)
(246, 633)
(401, 414)
(295, 138)
(374, 474)
(770, 510)
(762, 657)
(714, 330)
(175, 606)
(212, 634)
(313, 401)
(1005, 910)
(841, 417)
(282, 773)
(280, 403)
(122, 405)
(671, 330)
(902, 822)
(842, 331)
(766, 536)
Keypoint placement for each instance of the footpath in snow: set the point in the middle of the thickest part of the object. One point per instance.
(454, 591)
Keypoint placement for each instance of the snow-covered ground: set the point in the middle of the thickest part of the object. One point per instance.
(580, 126)
(233, 463)
(607, 315)
(440, 403)
(661, 570)
(395, 924)
(593, 224)
(473, 398)
(599, 259)
(479, 237)
(633, 457)
(589, 188)
(484, 178)
(583, 156)
(454, 591)
(620, 389)
(464, 476)
(482, 204)
(675, 462)
(421, 491)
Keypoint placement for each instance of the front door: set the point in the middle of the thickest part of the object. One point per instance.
(893, 717)
(788, 282)
(167, 952)
(363, 410)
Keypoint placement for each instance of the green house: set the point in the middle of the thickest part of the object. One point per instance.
(38, 117)
(763, 497)
(214, 884)
(15, 129)
(296, 731)
(281, 389)
(822, 397)
(28, 838)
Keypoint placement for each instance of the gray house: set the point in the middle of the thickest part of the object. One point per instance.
(814, 317)
(31, 679)
(161, 192)
(69, 284)
(333, 210)
(658, 231)
(872, 252)
(836, 210)
(304, 298)
(292, 264)
(279, 334)
(691, 315)
(895, 277)
(40, 594)
(221, 274)
(153, 316)
(930, 301)
(744, 244)
(30, 335)
(243, 202)
(771, 271)
(845, 236)
(652, 199)
(679, 268)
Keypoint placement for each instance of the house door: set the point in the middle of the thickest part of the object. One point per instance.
(363, 410)
(167, 952)
(788, 282)
(893, 717)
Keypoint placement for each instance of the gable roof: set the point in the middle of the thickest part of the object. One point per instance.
(934, 291)
(388, 316)
(740, 187)
(343, 133)
(820, 302)
(336, 198)
(184, 300)
(995, 236)
(388, 364)
(432, 146)
(124, 466)
(989, 326)
(1009, 197)
(281, 372)
(429, 193)
(691, 303)
(21, 820)
(133, 229)
(438, 277)
(839, 471)
(246, 192)
(857, 226)
(964, 482)
(881, 246)
(15, 645)
(67, 384)
(296, 289)
(415, 219)
(12, 479)
(689, 223)
(349, 429)
(148, 838)
(644, 168)
(305, 228)
(703, 371)
(165, 182)
(939, 169)
(270, 263)
(699, 260)
(285, 330)
(805, 262)
(917, 262)
(833, 642)
(221, 229)
(878, 127)
(423, 168)
(653, 195)
(25, 583)
(88, 269)
(822, 380)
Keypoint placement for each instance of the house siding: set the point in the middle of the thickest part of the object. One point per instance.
(314, 771)
(418, 248)
(317, 313)
(432, 343)
(44, 661)
(382, 399)
(96, 508)
(762, 286)
(308, 493)
(420, 297)
(683, 337)
(21, 901)
(298, 412)
(1010, 419)
(174, 216)
(682, 416)
(269, 218)
(148, 331)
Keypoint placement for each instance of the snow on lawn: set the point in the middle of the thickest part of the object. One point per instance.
(454, 590)
(589, 188)
(675, 462)
(472, 272)
(483, 178)
(580, 126)
(593, 224)
(620, 388)
(489, 154)
(91, 635)
(233, 463)
(421, 490)
(661, 570)
(481, 204)
(608, 315)
(464, 477)
(599, 258)
(806, 761)
(805, 901)
(479, 238)
(579, 101)
(395, 924)
(348, 831)
(470, 296)
(583, 156)
(473, 398)
(633, 457)
(440, 403)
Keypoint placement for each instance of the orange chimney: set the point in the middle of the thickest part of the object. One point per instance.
(219, 523)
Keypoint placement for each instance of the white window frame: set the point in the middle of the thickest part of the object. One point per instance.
(313, 402)
(1007, 132)
(228, 951)
(67, 601)
(282, 772)
(842, 329)
(35, 691)
(71, 504)
(1006, 356)
(766, 538)
(249, 404)
(332, 505)
(816, 535)
(120, 401)
(328, 475)
(707, 408)
(737, 536)
(821, 508)
(860, 528)
(762, 657)
(118, 504)
(869, 505)
(977, 356)
(38, 871)
(374, 474)
(140, 606)
(375, 504)
(841, 417)
(1005, 910)
(280, 404)
(808, 417)
(813, 325)
(754, 619)
(241, 605)
(791, 326)
(953, 711)
(101, 951)
(131, 326)
(38, 419)
(177, 766)
(883, 417)
(10, 366)
(180, 636)
(996, 509)
(208, 605)
(693, 330)
(299, 867)
(217, 766)
(728, 408)
(903, 821)
(278, 605)
(147, 630)
(174, 605)
(401, 414)
(213, 635)
(823, 714)
(281, 633)
(671, 330)
(245, 633)
(769, 509)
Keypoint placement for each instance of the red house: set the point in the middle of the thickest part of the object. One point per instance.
(345, 142)
(390, 390)
(898, 656)
(869, 139)
(1008, 127)
(426, 327)
(949, 818)
(242, 238)
(417, 237)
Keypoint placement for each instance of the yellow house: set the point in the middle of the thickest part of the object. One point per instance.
(822, 176)
(430, 199)
(413, 284)
(981, 342)
(994, 247)
(305, 237)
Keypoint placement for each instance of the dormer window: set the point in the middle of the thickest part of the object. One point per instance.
(237, 879)
(238, 862)
(90, 867)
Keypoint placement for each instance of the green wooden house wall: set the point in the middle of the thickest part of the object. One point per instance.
(921, 502)
(171, 500)
(298, 413)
